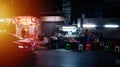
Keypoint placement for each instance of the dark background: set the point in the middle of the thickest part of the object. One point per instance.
(92, 8)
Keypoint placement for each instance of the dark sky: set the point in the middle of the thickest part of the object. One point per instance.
(37, 7)
(29, 7)
(92, 8)
(97, 8)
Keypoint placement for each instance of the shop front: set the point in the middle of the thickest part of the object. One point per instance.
(26, 26)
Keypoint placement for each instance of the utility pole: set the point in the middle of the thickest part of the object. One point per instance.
(82, 21)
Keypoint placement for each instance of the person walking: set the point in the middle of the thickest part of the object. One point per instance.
(23, 32)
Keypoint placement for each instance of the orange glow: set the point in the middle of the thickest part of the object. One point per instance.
(25, 19)
(6, 11)
(6, 20)
(33, 19)
(7, 26)
(29, 25)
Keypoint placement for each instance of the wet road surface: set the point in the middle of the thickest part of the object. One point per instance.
(68, 58)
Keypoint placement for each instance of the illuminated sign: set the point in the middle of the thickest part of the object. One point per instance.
(25, 19)
(69, 28)
(52, 18)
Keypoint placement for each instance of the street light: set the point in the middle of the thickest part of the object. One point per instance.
(89, 25)
(111, 26)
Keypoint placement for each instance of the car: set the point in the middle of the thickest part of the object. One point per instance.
(15, 48)
(39, 44)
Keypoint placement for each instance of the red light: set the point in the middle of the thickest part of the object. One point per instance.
(33, 19)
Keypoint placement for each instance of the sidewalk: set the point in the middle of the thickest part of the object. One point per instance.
(118, 62)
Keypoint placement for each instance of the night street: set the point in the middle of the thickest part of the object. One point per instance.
(68, 58)
(59, 33)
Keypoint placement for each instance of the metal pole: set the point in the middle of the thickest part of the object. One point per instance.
(81, 24)
(82, 20)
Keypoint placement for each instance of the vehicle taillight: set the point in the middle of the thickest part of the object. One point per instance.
(20, 46)
(26, 46)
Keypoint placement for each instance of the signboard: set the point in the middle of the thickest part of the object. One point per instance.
(71, 31)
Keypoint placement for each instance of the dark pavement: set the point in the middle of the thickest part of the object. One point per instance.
(69, 58)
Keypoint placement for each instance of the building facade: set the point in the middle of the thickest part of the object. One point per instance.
(91, 9)
(67, 10)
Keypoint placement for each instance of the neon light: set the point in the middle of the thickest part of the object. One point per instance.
(89, 25)
(25, 19)
(69, 28)
(111, 26)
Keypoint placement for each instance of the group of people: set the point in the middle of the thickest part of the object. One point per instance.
(95, 38)
(53, 41)
(56, 40)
